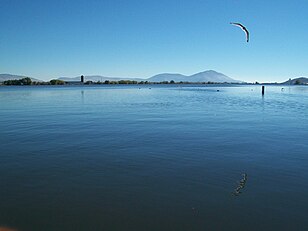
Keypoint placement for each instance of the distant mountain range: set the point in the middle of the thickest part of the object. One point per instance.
(206, 76)
(5, 77)
(96, 78)
(300, 80)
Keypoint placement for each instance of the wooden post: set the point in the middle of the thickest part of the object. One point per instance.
(263, 90)
(82, 79)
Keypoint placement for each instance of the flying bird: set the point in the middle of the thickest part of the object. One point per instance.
(243, 28)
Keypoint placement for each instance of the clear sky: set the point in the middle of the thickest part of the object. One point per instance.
(139, 38)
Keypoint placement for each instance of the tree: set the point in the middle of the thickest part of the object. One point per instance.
(57, 82)
(26, 81)
(23, 81)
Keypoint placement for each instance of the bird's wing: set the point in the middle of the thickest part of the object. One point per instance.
(237, 24)
(247, 33)
(243, 28)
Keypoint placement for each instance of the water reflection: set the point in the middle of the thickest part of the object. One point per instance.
(82, 96)
(241, 185)
(7, 229)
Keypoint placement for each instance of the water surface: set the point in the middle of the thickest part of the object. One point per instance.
(155, 158)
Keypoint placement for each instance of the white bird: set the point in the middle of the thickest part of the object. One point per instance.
(243, 28)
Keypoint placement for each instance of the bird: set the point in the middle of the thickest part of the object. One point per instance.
(243, 28)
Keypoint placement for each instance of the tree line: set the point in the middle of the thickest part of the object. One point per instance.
(23, 81)
(145, 82)
(28, 81)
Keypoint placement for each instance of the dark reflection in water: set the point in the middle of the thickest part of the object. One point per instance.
(6, 229)
(165, 158)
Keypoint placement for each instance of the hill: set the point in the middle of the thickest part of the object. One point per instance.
(4, 77)
(296, 81)
(206, 76)
(167, 77)
(96, 78)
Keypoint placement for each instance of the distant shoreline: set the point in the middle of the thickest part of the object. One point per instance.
(302, 81)
(148, 84)
(28, 82)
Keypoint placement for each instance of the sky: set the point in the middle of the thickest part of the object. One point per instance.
(48, 39)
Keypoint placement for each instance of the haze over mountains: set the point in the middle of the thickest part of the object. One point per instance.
(300, 80)
(5, 77)
(206, 76)
(96, 78)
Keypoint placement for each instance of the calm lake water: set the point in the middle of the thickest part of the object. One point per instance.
(158, 158)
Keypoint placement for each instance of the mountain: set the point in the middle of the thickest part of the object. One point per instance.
(4, 77)
(212, 76)
(167, 77)
(300, 80)
(206, 76)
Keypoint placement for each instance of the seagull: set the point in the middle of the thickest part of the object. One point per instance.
(243, 28)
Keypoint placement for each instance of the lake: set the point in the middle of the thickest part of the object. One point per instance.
(153, 158)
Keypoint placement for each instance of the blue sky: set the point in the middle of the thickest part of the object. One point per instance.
(120, 38)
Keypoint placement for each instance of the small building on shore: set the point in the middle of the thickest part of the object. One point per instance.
(76, 82)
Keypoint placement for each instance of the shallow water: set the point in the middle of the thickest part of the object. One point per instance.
(155, 158)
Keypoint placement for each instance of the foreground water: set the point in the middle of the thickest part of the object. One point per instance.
(156, 158)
